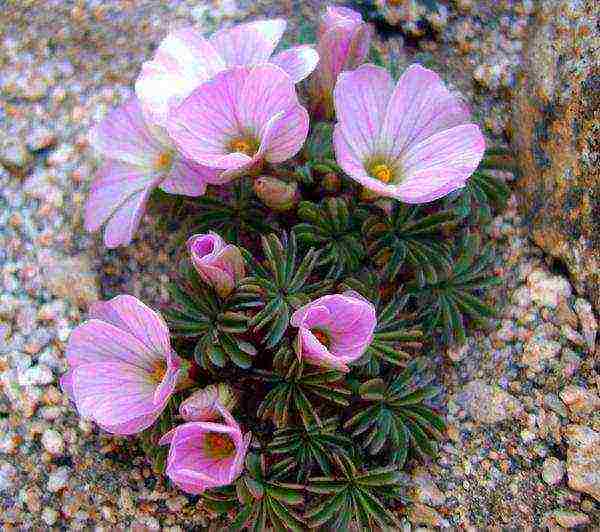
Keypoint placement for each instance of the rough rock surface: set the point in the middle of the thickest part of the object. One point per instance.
(63, 65)
(556, 132)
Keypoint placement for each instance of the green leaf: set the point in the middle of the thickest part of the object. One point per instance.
(395, 414)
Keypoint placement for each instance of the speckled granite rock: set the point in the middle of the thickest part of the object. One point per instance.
(583, 459)
(556, 132)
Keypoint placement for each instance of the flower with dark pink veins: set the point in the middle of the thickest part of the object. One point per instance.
(218, 264)
(139, 159)
(334, 330)
(413, 142)
(122, 370)
(239, 119)
(185, 59)
(344, 41)
(206, 454)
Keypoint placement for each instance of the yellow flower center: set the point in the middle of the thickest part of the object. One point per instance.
(218, 446)
(322, 336)
(244, 145)
(158, 371)
(164, 160)
(382, 172)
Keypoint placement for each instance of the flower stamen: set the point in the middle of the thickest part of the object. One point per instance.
(382, 172)
(164, 160)
(244, 145)
(218, 446)
(158, 371)
(322, 337)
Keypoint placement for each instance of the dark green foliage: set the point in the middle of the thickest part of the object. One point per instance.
(353, 495)
(265, 501)
(235, 214)
(446, 302)
(296, 395)
(216, 326)
(278, 285)
(408, 237)
(318, 153)
(331, 227)
(477, 199)
(315, 445)
(393, 417)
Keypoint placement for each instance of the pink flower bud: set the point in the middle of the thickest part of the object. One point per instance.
(218, 264)
(344, 41)
(276, 194)
(201, 405)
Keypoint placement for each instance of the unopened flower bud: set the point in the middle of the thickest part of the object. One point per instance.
(218, 264)
(200, 406)
(276, 194)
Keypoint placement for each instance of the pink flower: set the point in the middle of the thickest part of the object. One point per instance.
(239, 119)
(413, 142)
(206, 455)
(334, 330)
(185, 59)
(139, 160)
(344, 41)
(122, 370)
(201, 405)
(218, 264)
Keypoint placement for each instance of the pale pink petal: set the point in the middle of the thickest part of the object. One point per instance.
(133, 426)
(123, 135)
(115, 184)
(299, 61)
(311, 315)
(335, 15)
(167, 386)
(113, 393)
(66, 384)
(123, 224)
(131, 315)
(188, 466)
(316, 353)
(183, 60)
(248, 44)
(188, 178)
(361, 99)
(354, 167)
(237, 466)
(284, 135)
(97, 341)
(268, 90)
(420, 107)
(206, 123)
(444, 158)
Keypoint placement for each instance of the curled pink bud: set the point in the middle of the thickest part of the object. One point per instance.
(334, 330)
(218, 264)
(344, 41)
(201, 405)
